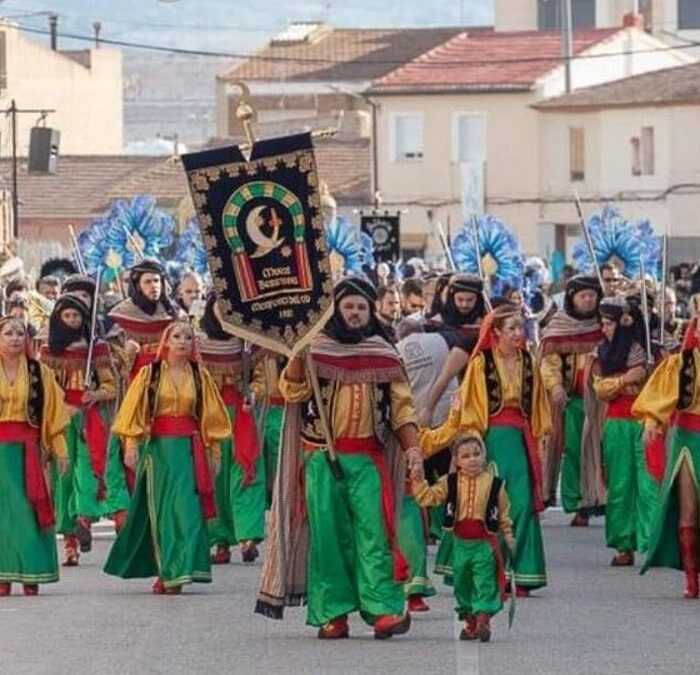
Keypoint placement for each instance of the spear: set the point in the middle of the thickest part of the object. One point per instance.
(645, 310)
(589, 242)
(93, 331)
(445, 246)
(664, 262)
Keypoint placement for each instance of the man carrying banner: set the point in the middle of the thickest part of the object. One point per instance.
(367, 402)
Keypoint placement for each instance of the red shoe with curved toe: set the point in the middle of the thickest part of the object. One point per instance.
(173, 590)
(30, 589)
(391, 624)
(158, 588)
(5, 589)
(469, 631)
(336, 629)
(222, 556)
(417, 604)
(579, 520)
(522, 592)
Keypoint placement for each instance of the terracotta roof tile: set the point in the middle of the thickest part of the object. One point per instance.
(85, 186)
(488, 60)
(679, 85)
(339, 54)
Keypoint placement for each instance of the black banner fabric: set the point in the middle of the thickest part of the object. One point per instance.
(262, 226)
(384, 231)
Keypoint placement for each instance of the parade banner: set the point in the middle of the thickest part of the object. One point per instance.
(263, 230)
(385, 234)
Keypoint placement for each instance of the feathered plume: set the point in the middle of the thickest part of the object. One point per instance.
(620, 242)
(355, 248)
(501, 257)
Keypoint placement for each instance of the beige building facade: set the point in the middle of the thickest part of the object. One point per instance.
(83, 87)
(497, 127)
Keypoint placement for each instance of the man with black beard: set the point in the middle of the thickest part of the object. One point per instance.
(568, 341)
(354, 561)
(145, 314)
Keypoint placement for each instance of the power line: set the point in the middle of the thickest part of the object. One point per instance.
(416, 63)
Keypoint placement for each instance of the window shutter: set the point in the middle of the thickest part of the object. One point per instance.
(648, 151)
(577, 154)
(471, 138)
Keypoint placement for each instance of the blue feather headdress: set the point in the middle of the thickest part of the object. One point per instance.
(190, 251)
(354, 247)
(501, 257)
(620, 242)
(129, 231)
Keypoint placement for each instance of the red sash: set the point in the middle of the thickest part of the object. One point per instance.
(186, 426)
(245, 434)
(96, 436)
(277, 401)
(34, 480)
(621, 407)
(374, 449)
(510, 417)
(470, 528)
(687, 421)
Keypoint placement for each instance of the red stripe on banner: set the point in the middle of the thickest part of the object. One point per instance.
(354, 363)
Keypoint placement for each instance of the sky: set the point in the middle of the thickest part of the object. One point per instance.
(234, 26)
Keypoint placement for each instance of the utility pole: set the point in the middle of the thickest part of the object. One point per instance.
(12, 112)
(567, 38)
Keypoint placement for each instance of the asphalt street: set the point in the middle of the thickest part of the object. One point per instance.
(590, 619)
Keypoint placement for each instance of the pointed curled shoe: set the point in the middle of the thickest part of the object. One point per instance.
(5, 589)
(391, 624)
(158, 588)
(30, 589)
(417, 604)
(469, 631)
(336, 629)
(579, 520)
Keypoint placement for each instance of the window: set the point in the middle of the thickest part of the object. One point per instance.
(549, 14)
(643, 153)
(688, 14)
(407, 137)
(469, 138)
(577, 154)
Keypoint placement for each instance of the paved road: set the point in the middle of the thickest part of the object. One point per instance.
(591, 619)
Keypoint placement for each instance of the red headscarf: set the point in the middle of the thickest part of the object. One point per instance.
(487, 333)
(162, 351)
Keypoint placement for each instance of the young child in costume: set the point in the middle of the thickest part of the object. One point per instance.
(476, 509)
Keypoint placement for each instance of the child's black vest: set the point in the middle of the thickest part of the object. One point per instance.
(449, 517)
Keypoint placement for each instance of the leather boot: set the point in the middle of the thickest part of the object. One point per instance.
(688, 544)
